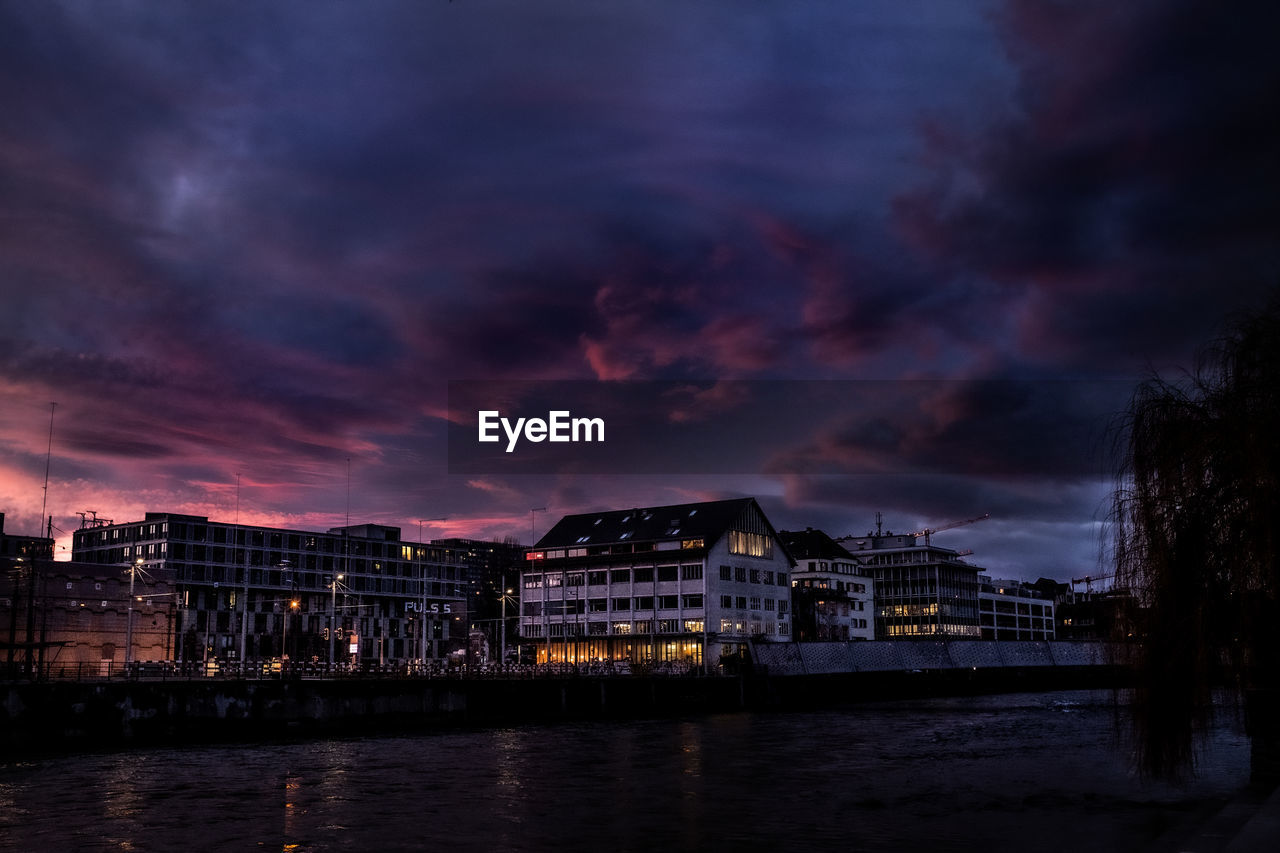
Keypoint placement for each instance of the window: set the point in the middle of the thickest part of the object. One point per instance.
(726, 573)
(740, 602)
(668, 626)
(768, 578)
(668, 602)
(597, 578)
(644, 602)
(597, 627)
(667, 573)
(620, 576)
(574, 579)
(726, 601)
(622, 627)
(755, 576)
(768, 604)
(622, 604)
(554, 580)
(740, 574)
(782, 578)
(598, 605)
(755, 602)
(644, 575)
(691, 573)
(750, 544)
(691, 543)
(691, 601)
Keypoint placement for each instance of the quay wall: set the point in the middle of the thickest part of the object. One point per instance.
(56, 716)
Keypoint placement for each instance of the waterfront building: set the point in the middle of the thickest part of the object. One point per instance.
(360, 593)
(84, 620)
(921, 590)
(1012, 610)
(832, 594)
(686, 584)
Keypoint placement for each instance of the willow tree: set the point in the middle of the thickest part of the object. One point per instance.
(1194, 523)
(1195, 520)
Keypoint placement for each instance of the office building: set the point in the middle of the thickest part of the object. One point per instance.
(685, 584)
(358, 594)
(921, 590)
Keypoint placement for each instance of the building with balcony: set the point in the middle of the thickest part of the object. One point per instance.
(1012, 610)
(685, 584)
(358, 594)
(832, 594)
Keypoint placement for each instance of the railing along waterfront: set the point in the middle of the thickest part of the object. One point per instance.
(276, 669)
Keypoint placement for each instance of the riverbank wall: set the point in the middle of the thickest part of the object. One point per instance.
(66, 716)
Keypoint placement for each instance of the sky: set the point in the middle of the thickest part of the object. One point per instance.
(246, 248)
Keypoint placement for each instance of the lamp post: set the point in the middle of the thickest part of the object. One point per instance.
(502, 661)
(128, 625)
(546, 624)
(333, 615)
(289, 610)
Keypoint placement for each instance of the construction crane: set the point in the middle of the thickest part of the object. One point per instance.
(1088, 580)
(929, 531)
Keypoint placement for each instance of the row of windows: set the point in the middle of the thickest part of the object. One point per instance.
(194, 535)
(753, 602)
(824, 583)
(741, 574)
(645, 574)
(840, 568)
(596, 629)
(572, 606)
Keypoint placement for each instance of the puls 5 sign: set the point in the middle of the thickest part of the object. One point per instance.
(434, 607)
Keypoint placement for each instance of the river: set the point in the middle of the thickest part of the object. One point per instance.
(1011, 772)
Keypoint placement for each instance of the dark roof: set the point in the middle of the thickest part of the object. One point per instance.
(810, 544)
(708, 521)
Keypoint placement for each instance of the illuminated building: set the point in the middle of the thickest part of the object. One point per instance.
(921, 590)
(832, 595)
(683, 584)
(386, 600)
(1012, 610)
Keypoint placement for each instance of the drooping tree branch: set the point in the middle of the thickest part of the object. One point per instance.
(1193, 519)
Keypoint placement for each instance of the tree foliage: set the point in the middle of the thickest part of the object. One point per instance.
(1194, 518)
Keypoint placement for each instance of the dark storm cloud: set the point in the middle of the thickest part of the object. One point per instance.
(1132, 189)
(261, 238)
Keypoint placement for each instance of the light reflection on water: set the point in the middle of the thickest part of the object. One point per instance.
(1027, 771)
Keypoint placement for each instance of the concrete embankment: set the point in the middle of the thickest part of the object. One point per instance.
(54, 716)
(60, 716)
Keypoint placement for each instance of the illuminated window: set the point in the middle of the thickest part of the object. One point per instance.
(750, 544)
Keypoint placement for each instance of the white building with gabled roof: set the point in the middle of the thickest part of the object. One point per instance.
(676, 585)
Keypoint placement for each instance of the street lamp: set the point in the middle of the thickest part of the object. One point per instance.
(284, 634)
(502, 661)
(333, 613)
